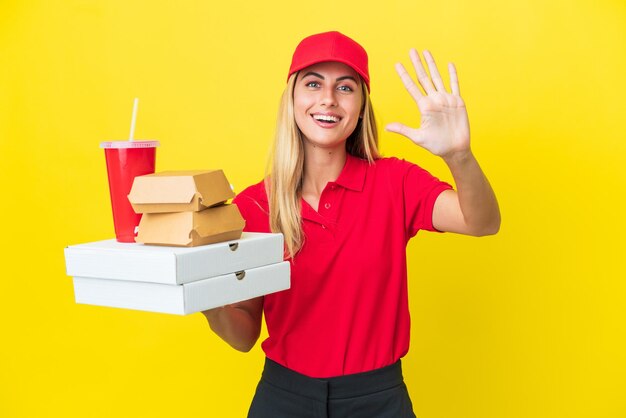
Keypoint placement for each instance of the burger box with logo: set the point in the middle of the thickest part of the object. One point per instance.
(177, 280)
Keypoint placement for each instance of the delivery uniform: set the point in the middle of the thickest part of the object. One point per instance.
(346, 314)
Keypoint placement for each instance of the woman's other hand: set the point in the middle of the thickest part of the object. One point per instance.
(444, 128)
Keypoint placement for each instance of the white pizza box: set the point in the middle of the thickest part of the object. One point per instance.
(187, 298)
(110, 259)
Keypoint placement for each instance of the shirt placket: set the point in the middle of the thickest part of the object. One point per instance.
(329, 206)
(326, 216)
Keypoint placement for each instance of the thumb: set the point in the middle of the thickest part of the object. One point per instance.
(399, 129)
(414, 135)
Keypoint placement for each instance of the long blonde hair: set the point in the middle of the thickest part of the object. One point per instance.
(285, 168)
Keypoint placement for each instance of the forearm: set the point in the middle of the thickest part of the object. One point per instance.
(238, 326)
(477, 199)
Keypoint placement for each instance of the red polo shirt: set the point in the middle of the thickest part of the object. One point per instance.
(347, 309)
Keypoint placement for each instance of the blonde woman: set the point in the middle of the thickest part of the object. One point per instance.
(337, 335)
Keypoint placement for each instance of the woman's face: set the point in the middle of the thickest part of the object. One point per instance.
(327, 103)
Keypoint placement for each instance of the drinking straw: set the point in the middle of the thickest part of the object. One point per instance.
(132, 123)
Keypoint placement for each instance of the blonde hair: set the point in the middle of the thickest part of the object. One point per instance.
(285, 168)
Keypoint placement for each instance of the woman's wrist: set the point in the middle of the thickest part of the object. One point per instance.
(457, 158)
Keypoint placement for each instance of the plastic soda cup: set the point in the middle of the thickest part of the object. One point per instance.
(125, 161)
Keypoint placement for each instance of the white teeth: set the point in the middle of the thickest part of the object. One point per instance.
(326, 118)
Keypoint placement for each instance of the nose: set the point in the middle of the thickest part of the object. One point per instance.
(328, 96)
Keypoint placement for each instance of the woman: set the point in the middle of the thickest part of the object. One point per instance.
(337, 335)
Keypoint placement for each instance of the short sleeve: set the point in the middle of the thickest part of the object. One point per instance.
(252, 205)
(420, 191)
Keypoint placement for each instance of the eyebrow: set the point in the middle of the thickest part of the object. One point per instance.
(345, 77)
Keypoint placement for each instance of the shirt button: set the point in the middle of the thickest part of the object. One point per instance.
(327, 205)
(323, 226)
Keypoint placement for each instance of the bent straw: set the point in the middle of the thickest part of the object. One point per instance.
(132, 123)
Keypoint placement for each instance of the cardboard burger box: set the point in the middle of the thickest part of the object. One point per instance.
(179, 191)
(190, 229)
(185, 208)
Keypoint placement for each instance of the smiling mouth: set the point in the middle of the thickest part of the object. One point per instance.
(326, 118)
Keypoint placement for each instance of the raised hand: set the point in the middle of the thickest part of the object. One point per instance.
(444, 128)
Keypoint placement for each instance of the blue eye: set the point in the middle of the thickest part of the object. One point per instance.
(315, 84)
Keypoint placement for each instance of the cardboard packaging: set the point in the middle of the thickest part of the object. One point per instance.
(187, 298)
(179, 191)
(112, 260)
(190, 229)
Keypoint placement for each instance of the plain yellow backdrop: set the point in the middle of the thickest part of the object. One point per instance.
(528, 323)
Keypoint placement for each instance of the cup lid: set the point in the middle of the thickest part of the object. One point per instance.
(130, 144)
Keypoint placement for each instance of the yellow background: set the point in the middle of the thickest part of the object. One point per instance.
(528, 323)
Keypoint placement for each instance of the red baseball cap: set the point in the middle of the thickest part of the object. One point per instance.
(330, 46)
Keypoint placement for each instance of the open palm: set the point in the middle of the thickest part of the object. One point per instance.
(444, 129)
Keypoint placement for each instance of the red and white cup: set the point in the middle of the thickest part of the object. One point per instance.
(126, 160)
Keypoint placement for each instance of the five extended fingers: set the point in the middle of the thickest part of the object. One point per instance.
(422, 77)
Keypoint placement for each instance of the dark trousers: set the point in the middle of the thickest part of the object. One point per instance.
(283, 393)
